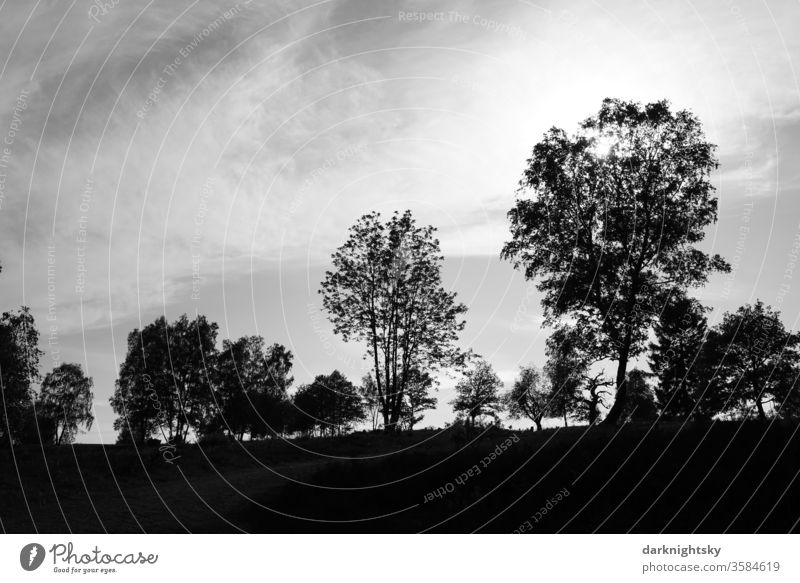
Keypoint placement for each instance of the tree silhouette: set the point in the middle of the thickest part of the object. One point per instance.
(757, 360)
(163, 384)
(575, 389)
(477, 393)
(271, 400)
(251, 387)
(678, 360)
(66, 398)
(530, 396)
(331, 405)
(36, 426)
(641, 404)
(142, 397)
(417, 397)
(385, 290)
(611, 234)
(19, 369)
(371, 400)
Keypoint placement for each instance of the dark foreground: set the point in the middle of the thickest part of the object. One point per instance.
(724, 477)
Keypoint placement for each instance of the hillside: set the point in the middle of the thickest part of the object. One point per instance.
(724, 477)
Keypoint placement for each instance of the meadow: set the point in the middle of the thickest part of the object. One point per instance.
(719, 477)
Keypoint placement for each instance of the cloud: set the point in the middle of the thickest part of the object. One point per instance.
(165, 145)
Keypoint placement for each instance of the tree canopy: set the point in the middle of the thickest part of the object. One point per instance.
(329, 405)
(385, 290)
(529, 397)
(251, 384)
(609, 219)
(163, 385)
(757, 361)
(576, 390)
(19, 370)
(66, 398)
(477, 393)
(680, 363)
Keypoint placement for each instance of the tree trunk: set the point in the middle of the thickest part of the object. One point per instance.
(762, 416)
(592, 411)
(615, 413)
(387, 426)
(538, 424)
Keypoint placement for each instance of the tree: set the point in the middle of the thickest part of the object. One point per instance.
(371, 400)
(238, 372)
(163, 384)
(19, 369)
(477, 393)
(192, 351)
(641, 404)
(385, 290)
(142, 396)
(757, 359)
(417, 397)
(251, 387)
(678, 360)
(271, 399)
(575, 390)
(564, 371)
(36, 427)
(530, 396)
(594, 397)
(330, 405)
(66, 398)
(611, 227)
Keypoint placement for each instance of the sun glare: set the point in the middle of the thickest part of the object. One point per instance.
(602, 145)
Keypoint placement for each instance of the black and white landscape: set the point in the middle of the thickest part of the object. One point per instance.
(399, 266)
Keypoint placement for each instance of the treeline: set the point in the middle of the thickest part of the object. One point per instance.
(607, 223)
(175, 384)
(744, 367)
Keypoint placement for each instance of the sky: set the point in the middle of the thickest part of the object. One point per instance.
(162, 157)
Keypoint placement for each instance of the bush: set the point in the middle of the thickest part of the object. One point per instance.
(215, 438)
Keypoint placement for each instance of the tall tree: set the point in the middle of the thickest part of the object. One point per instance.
(757, 359)
(678, 360)
(477, 393)
(66, 398)
(530, 396)
(613, 221)
(386, 290)
(19, 370)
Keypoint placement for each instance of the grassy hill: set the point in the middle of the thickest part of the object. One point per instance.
(734, 477)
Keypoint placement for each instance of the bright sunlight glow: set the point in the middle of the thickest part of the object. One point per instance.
(602, 145)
